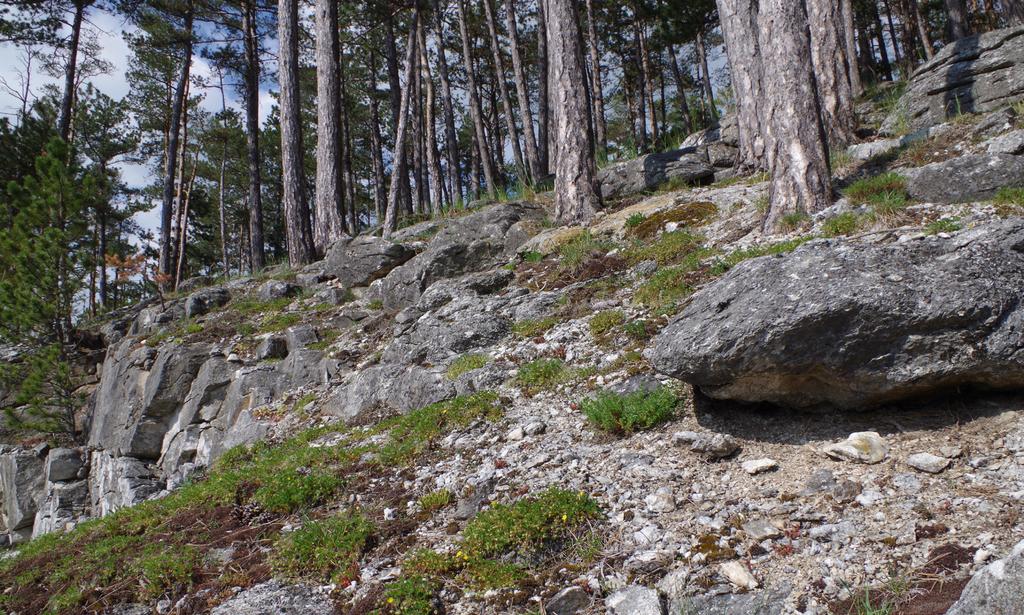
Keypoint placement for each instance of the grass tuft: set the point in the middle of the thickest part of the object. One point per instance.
(326, 549)
(534, 328)
(943, 225)
(628, 413)
(467, 363)
(603, 322)
(542, 374)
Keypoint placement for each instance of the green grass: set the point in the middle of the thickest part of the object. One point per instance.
(665, 289)
(636, 330)
(846, 223)
(1009, 202)
(414, 434)
(534, 328)
(738, 256)
(943, 225)
(532, 257)
(376, 304)
(325, 549)
(866, 606)
(274, 323)
(411, 595)
(632, 412)
(885, 193)
(667, 249)
(580, 249)
(603, 322)
(635, 220)
(542, 374)
(792, 221)
(327, 337)
(467, 363)
(435, 500)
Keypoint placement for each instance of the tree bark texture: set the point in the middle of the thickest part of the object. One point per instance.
(522, 91)
(577, 193)
(329, 225)
(739, 27)
(831, 70)
(171, 168)
(391, 216)
(475, 111)
(257, 257)
(301, 250)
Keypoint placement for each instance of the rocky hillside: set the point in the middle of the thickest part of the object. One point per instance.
(667, 412)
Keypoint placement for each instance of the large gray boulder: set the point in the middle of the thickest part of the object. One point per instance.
(996, 589)
(360, 260)
(689, 165)
(140, 393)
(975, 177)
(464, 324)
(206, 300)
(387, 389)
(21, 487)
(972, 75)
(277, 598)
(839, 324)
(63, 505)
(118, 482)
(479, 241)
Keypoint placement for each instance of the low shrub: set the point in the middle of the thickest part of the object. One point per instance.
(628, 413)
(325, 549)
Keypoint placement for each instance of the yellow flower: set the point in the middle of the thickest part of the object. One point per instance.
(565, 518)
(391, 600)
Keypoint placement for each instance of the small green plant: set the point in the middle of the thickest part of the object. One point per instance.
(842, 160)
(581, 248)
(793, 221)
(761, 204)
(324, 549)
(532, 257)
(413, 595)
(665, 289)
(534, 328)
(635, 220)
(435, 500)
(603, 322)
(467, 363)
(636, 330)
(542, 374)
(274, 323)
(303, 402)
(867, 606)
(625, 414)
(844, 224)
(327, 337)
(943, 225)
(738, 256)
(164, 568)
(376, 304)
(1009, 202)
(885, 193)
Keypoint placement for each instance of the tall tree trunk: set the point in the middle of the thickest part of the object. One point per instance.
(831, 70)
(171, 168)
(179, 272)
(348, 175)
(68, 100)
(329, 224)
(221, 179)
(257, 257)
(577, 193)
(376, 144)
(298, 229)
(430, 135)
(702, 58)
(506, 98)
(883, 51)
(401, 172)
(421, 195)
(922, 30)
(739, 27)
(797, 150)
(681, 84)
(849, 30)
(596, 85)
(543, 96)
(648, 75)
(959, 21)
(391, 216)
(475, 111)
(102, 222)
(451, 137)
(522, 92)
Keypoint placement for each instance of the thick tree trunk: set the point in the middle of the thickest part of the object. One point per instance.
(301, 250)
(739, 27)
(329, 225)
(850, 44)
(831, 70)
(401, 172)
(577, 193)
(522, 91)
(430, 136)
(451, 137)
(506, 98)
(171, 168)
(543, 96)
(391, 217)
(257, 258)
(959, 21)
(597, 85)
(475, 111)
(68, 100)
(681, 85)
(702, 58)
(797, 151)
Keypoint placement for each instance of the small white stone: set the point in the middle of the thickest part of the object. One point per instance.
(661, 501)
(982, 556)
(738, 575)
(389, 514)
(926, 462)
(862, 447)
(757, 466)
(515, 435)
